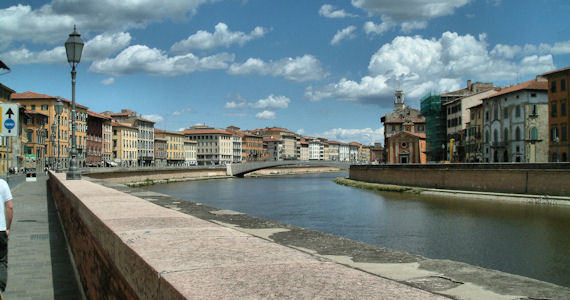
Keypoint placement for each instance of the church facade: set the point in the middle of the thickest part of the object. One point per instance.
(404, 133)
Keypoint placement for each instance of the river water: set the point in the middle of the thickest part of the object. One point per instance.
(527, 240)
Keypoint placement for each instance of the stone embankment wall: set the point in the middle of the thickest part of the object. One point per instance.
(534, 179)
(144, 174)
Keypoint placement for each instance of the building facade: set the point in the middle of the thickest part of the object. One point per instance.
(160, 148)
(559, 114)
(145, 131)
(190, 154)
(125, 144)
(515, 123)
(411, 122)
(474, 135)
(214, 146)
(95, 130)
(175, 152)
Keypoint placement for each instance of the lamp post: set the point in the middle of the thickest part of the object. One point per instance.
(53, 129)
(443, 152)
(58, 107)
(73, 48)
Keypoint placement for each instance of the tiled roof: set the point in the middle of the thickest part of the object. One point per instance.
(556, 71)
(206, 131)
(117, 124)
(420, 135)
(34, 96)
(35, 112)
(336, 143)
(97, 115)
(532, 84)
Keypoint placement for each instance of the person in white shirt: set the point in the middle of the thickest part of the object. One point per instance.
(6, 214)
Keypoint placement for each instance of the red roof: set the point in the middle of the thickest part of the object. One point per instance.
(336, 143)
(96, 115)
(556, 71)
(532, 84)
(206, 131)
(35, 96)
(117, 124)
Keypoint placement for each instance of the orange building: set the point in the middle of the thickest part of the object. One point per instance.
(559, 114)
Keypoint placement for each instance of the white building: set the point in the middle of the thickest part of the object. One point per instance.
(515, 123)
(275, 148)
(343, 152)
(236, 146)
(214, 146)
(190, 152)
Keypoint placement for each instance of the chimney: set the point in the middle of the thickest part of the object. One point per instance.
(469, 85)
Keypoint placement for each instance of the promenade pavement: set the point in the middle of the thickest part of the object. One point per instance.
(39, 266)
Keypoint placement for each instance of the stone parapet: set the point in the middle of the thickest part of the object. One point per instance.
(129, 248)
(534, 179)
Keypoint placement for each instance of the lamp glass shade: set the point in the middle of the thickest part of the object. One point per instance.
(58, 107)
(74, 47)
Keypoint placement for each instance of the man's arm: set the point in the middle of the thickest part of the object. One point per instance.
(9, 211)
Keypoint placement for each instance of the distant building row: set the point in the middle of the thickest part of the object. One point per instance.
(126, 139)
(527, 122)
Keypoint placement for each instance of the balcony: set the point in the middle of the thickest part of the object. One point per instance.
(498, 144)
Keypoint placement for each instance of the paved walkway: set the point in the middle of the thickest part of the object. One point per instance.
(38, 260)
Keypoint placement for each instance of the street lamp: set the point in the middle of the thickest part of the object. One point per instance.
(442, 151)
(58, 107)
(73, 48)
(53, 136)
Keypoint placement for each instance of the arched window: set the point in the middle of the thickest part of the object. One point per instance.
(533, 133)
(486, 136)
(517, 133)
(495, 136)
(506, 135)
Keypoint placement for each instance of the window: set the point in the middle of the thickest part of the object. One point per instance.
(562, 84)
(496, 114)
(553, 110)
(506, 112)
(533, 133)
(33, 107)
(563, 108)
(495, 136)
(506, 135)
(563, 133)
(44, 107)
(554, 134)
(486, 136)
(518, 111)
(517, 133)
(553, 86)
(486, 116)
(533, 110)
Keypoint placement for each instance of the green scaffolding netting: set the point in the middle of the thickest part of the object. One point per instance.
(435, 124)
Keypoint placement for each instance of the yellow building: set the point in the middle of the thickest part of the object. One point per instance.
(175, 148)
(125, 144)
(5, 93)
(59, 146)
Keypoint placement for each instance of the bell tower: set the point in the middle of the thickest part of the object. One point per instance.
(399, 100)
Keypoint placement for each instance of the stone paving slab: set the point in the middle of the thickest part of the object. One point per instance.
(38, 260)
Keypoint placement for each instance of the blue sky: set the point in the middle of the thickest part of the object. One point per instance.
(320, 68)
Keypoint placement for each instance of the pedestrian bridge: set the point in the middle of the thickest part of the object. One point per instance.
(241, 169)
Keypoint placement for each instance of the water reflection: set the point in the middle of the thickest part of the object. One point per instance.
(522, 239)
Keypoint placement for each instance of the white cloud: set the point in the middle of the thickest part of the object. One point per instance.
(266, 115)
(304, 68)
(377, 29)
(204, 40)
(183, 111)
(410, 14)
(99, 47)
(301, 131)
(561, 48)
(419, 65)
(142, 59)
(365, 136)
(272, 102)
(47, 23)
(410, 10)
(154, 117)
(108, 81)
(409, 26)
(328, 11)
(346, 33)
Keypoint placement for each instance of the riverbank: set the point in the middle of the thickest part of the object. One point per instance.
(443, 277)
(168, 178)
(458, 194)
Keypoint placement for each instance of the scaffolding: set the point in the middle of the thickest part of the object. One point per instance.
(434, 115)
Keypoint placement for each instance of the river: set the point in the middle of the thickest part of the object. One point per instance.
(523, 239)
